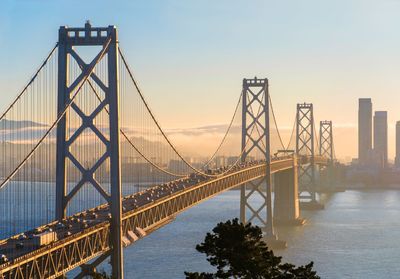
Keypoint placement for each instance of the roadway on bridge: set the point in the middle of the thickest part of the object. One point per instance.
(85, 236)
(21, 244)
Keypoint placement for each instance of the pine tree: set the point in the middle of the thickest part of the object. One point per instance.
(238, 251)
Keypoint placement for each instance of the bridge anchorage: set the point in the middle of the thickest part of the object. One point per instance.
(89, 110)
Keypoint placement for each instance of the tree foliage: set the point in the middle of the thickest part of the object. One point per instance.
(238, 251)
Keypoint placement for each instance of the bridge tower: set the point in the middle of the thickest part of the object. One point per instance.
(326, 140)
(256, 202)
(326, 150)
(305, 146)
(69, 39)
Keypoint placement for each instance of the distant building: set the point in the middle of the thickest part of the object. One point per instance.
(381, 138)
(397, 159)
(220, 161)
(232, 160)
(364, 130)
(177, 166)
(376, 159)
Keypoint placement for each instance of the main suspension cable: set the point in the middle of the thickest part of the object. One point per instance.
(226, 133)
(276, 124)
(131, 143)
(156, 122)
(30, 82)
(291, 135)
(316, 138)
(61, 115)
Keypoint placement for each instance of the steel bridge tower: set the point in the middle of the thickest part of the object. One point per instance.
(106, 37)
(305, 146)
(326, 150)
(255, 91)
(326, 140)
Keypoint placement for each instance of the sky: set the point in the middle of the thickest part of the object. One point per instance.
(191, 56)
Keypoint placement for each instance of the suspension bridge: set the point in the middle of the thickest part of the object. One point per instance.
(87, 169)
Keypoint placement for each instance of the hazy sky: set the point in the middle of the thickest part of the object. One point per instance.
(191, 56)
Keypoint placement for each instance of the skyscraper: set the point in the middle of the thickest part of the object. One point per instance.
(397, 159)
(364, 130)
(380, 137)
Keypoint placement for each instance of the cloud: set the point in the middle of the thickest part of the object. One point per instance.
(6, 124)
(195, 141)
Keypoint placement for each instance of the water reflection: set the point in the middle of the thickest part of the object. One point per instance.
(354, 237)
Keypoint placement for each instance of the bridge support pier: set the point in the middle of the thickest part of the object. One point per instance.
(286, 200)
(328, 182)
(312, 205)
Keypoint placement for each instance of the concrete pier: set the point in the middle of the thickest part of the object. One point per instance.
(274, 243)
(286, 201)
(331, 179)
(312, 205)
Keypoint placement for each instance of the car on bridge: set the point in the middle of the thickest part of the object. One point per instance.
(3, 258)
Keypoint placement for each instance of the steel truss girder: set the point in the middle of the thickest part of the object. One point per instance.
(68, 39)
(305, 146)
(90, 269)
(255, 91)
(65, 255)
(78, 249)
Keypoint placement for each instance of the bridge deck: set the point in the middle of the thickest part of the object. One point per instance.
(85, 236)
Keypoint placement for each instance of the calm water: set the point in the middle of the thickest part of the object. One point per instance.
(356, 236)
